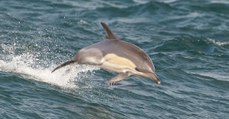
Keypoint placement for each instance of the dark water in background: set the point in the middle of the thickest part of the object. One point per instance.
(188, 41)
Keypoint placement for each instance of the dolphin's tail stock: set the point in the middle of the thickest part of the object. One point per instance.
(64, 64)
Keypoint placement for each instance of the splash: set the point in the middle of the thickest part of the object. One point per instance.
(28, 66)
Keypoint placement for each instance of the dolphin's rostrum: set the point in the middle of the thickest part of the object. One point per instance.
(114, 54)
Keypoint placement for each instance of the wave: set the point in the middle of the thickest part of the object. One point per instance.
(220, 1)
(28, 66)
(145, 9)
(221, 76)
(213, 6)
(194, 44)
(219, 43)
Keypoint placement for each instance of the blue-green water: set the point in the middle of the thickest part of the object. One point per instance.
(188, 41)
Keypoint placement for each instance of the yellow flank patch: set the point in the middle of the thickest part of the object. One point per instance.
(120, 61)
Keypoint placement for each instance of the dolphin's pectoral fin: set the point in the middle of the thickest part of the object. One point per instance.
(118, 78)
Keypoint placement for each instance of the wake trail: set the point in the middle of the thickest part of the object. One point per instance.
(26, 66)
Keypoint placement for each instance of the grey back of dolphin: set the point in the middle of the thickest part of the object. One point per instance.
(116, 55)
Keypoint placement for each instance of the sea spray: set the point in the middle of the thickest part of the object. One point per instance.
(28, 65)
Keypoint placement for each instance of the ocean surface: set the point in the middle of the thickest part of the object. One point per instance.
(188, 41)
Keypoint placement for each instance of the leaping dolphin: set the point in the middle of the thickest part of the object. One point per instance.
(114, 54)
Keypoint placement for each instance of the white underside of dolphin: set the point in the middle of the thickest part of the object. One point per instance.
(114, 54)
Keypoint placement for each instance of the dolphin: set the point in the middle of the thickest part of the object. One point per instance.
(114, 54)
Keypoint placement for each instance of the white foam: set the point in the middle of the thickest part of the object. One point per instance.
(141, 1)
(169, 1)
(218, 42)
(26, 65)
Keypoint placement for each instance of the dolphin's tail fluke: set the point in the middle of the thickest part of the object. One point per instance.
(64, 64)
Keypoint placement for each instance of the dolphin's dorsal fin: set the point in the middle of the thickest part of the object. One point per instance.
(110, 34)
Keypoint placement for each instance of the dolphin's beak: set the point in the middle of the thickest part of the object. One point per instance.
(155, 78)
